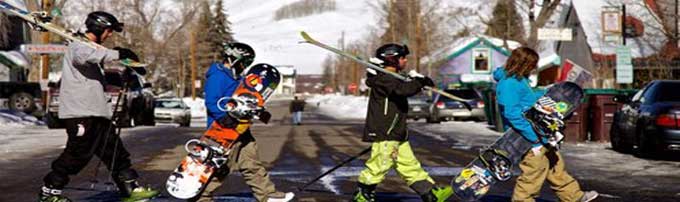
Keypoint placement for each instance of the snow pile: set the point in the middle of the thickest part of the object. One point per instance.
(340, 106)
(18, 119)
(197, 106)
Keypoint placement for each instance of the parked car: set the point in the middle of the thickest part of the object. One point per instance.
(649, 122)
(443, 108)
(139, 107)
(419, 107)
(172, 110)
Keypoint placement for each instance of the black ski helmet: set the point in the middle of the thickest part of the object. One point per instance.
(99, 21)
(390, 54)
(236, 52)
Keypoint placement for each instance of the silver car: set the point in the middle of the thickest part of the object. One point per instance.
(172, 110)
(445, 109)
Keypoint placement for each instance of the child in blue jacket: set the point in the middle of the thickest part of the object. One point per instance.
(221, 82)
(515, 96)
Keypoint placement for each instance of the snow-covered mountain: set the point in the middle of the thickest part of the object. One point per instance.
(276, 42)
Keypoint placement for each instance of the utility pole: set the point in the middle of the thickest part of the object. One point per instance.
(418, 38)
(192, 49)
(45, 58)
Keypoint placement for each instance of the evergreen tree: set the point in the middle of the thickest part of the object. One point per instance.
(221, 29)
(506, 23)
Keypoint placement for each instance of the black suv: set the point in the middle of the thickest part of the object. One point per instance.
(139, 108)
(649, 122)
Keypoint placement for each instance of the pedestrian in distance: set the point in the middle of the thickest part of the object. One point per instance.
(87, 115)
(386, 129)
(543, 162)
(222, 79)
(296, 108)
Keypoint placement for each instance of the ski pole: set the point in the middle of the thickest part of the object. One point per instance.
(335, 168)
(310, 40)
(111, 125)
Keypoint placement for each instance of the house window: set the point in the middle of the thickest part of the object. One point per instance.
(481, 60)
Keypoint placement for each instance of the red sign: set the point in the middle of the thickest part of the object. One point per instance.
(45, 48)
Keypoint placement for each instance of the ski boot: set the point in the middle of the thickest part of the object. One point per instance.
(365, 193)
(129, 188)
(51, 195)
(140, 193)
(438, 194)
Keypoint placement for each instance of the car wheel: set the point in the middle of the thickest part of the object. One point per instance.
(645, 148)
(186, 124)
(432, 120)
(617, 141)
(22, 101)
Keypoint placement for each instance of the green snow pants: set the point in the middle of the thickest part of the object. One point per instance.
(386, 155)
(549, 165)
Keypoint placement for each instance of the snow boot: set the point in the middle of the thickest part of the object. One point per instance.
(282, 197)
(438, 194)
(588, 196)
(51, 195)
(365, 193)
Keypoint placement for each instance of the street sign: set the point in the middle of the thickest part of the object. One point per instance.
(624, 65)
(471, 78)
(611, 20)
(557, 34)
(44, 48)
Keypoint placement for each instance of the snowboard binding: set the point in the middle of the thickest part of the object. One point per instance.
(546, 118)
(205, 153)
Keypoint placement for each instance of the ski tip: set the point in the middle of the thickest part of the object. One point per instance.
(306, 36)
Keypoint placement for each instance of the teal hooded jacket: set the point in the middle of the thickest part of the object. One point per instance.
(515, 96)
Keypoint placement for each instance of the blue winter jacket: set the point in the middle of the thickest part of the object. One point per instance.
(220, 82)
(515, 96)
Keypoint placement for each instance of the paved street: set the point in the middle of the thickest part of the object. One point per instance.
(296, 154)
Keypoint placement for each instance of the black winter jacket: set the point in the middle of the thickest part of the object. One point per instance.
(387, 107)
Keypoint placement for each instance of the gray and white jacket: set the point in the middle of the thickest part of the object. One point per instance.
(82, 82)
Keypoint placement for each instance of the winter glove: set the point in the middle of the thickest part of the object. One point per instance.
(370, 73)
(264, 116)
(124, 53)
(425, 81)
(228, 122)
(414, 74)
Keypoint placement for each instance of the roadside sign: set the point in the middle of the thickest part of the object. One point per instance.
(611, 20)
(557, 34)
(44, 48)
(624, 65)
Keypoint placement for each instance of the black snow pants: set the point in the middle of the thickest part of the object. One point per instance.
(88, 137)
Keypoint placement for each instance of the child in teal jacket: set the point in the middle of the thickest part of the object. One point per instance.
(542, 163)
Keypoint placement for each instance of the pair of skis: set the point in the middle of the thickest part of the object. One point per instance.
(42, 21)
(308, 39)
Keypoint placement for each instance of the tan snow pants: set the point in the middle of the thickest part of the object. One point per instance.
(549, 165)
